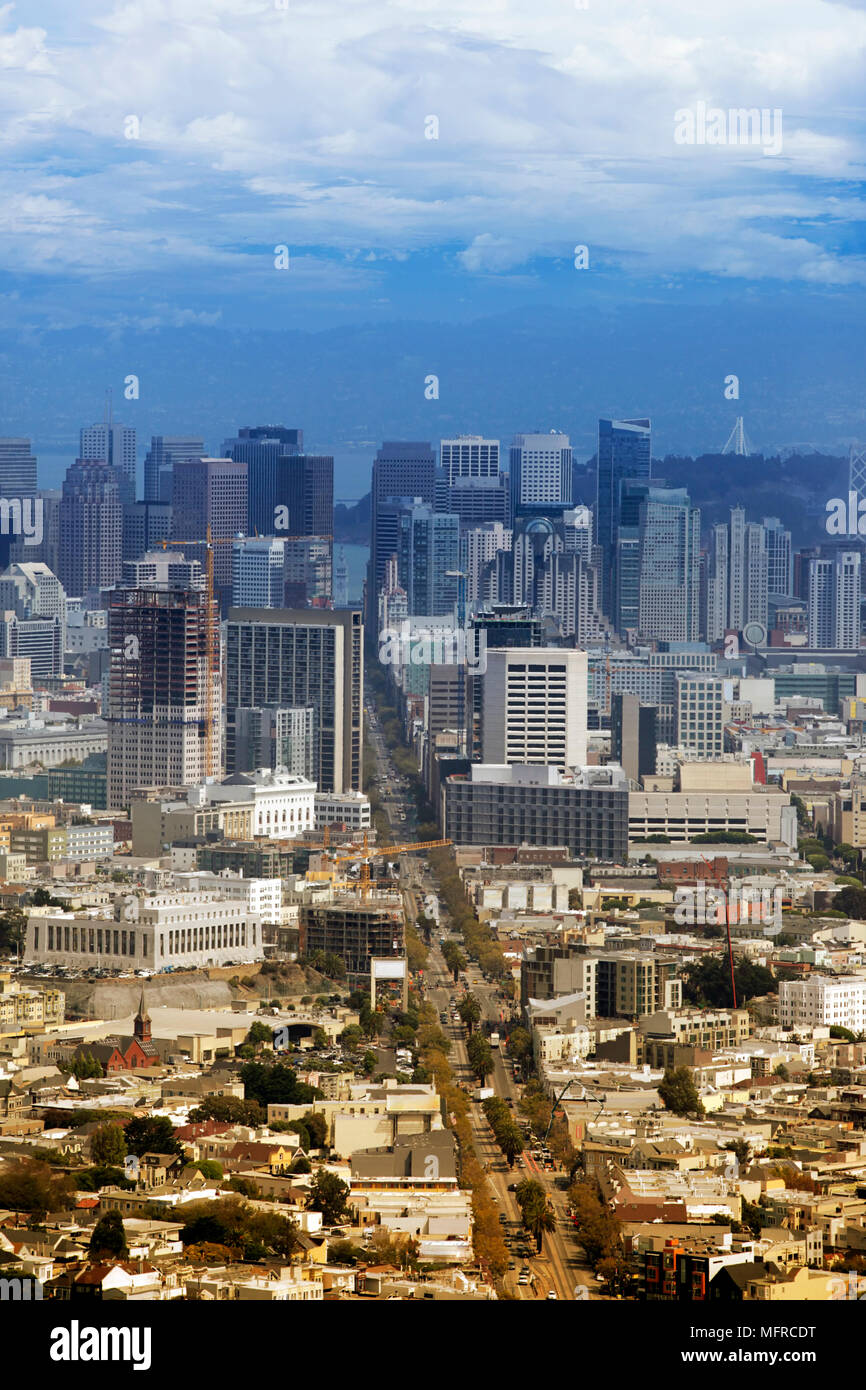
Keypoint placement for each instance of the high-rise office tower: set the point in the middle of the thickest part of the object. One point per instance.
(780, 557)
(164, 729)
(401, 469)
(540, 474)
(165, 451)
(113, 444)
(747, 572)
(145, 525)
(624, 451)
(17, 468)
(91, 528)
(469, 456)
(341, 580)
(293, 658)
(534, 707)
(22, 548)
(479, 548)
(669, 564)
(32, 591)
(428, 556)
(258, 573)
(470, 484)
(210, 493)
(716, 584)
(633, 735)
(702, 710)
(393, 605)
(17, 481)
(626, 561)
(291, 493)
(834, 601)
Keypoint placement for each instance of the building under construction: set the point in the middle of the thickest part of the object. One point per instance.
(164, 703)
(356, 928)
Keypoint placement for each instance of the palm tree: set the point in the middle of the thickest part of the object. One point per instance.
(538, 1215)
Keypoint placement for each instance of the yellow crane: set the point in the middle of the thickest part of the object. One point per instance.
(363, 853)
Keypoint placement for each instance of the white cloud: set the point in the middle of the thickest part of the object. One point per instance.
(306, 125)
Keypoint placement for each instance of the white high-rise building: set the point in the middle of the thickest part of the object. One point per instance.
(258, 573)
(540, 473)
(534, 706)
(823, 1001)
(834, 601)
(480, 546)
(469, 456)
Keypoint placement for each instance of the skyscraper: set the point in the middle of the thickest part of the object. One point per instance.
(534, 707)
(624, 451)
(469, 456)
(114, 444)
(292, 658)
(834, 601)
(540, 467)
(428, 557)
(258, 574)
(669, 566)
(163, 729)
(737, 576)
(210, 493)
(91, 528)
(780, 558)
(165, 451)
(290, 493)
(17, 468)
(401, 469)
(17, 480)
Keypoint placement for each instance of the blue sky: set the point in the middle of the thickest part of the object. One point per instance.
(257, 126)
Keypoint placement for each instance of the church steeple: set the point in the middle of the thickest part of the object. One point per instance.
(141, 1025)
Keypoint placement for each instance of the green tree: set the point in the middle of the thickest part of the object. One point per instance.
(852, 901)
(108, 1239)
(519, 1046)
(480, 1056)
(469, 1010)
(328, 1194)
(229, 1110)
(28, 1185)
(369, 1063)
(538, 1216)
(259, 1033)
(317, 1128)
(208, 1167)
(598, 1228)
(678, 1092)
(275, 1084)
(151, 1135)
(108, 1146)
(351, 1037)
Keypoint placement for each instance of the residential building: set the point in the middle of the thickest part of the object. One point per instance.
(633, 736)
(823, 1001)
(834, 601)
(277, 738)
(294, 658)
(703, 709)
(624, 451)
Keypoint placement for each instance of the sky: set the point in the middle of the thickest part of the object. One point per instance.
(157, 153)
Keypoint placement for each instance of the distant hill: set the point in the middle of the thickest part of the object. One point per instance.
(352, 524)
(796, 488)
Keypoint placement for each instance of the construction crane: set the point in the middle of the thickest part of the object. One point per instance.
(365, 854)
(210, 645)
